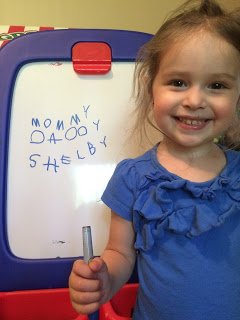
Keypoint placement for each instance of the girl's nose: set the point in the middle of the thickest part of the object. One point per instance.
(194, 98)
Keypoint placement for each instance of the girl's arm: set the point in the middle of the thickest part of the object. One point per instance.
(95, 283)
(119, 254)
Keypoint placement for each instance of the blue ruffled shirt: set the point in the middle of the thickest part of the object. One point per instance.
(187, 238)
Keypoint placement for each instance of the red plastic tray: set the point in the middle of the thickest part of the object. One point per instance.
(120, 307)
(49, 304)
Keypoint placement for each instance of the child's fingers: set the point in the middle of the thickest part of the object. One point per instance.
(82, 269)
(87, 283)
(83, 279)
(82, 284)
(85, 294)
(98, 265)
(84, 298)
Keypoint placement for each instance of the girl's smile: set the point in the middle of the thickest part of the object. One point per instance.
(196, 90)
(189, 123)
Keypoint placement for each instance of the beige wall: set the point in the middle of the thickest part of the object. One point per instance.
(139, 15)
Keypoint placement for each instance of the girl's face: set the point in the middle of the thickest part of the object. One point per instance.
(196, 90)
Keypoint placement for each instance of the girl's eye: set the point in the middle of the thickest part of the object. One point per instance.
(178, 83)
(217, 86)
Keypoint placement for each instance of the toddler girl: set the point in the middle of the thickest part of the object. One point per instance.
(176, 208)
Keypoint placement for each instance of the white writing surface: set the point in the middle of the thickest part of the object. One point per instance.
(67, 133)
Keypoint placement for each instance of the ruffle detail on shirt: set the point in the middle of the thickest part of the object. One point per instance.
(174, 205)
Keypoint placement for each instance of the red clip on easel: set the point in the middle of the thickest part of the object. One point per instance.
(91, 58)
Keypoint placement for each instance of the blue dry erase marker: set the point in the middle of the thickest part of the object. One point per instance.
(87, 244)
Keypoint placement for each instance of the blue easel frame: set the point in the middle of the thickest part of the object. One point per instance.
(54, 45)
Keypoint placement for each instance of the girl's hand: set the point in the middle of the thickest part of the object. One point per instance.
(89, 285)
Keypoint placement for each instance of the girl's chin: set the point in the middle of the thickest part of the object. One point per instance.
(188, 142)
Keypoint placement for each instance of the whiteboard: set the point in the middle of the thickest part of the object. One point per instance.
(67, 133)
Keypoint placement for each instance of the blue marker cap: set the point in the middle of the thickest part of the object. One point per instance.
(87, 244)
